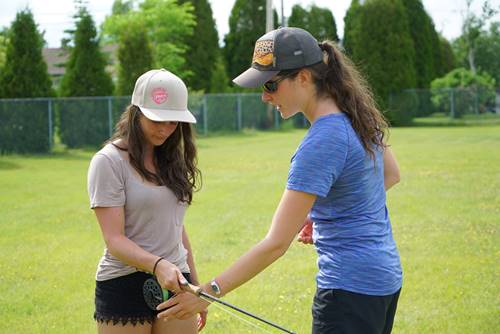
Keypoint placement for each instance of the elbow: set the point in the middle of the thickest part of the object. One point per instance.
(112, 243)
(276, 248)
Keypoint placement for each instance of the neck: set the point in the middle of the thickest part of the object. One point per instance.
(320, 107)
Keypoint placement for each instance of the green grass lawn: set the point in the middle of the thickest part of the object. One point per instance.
(445, 215)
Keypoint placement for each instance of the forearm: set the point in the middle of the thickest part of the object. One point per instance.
(250, 264)
(130, 253)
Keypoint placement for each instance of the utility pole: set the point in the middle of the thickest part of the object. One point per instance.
(269, 15)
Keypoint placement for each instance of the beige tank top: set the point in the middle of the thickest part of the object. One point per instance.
(153, 215)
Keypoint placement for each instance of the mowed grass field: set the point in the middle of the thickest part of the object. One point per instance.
(445, 215)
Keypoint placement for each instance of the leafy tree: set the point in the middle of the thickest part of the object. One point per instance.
(318, 21)
(471, 30)
(385, 50)
(351, 27)
(135, 56)
(202, 50)
(85, 73)
(488, 52)
(25, 71)
(219, 77)
(425, 40)
(23, 126)
(3, 46)
(447, 61)
(168, 26)
(472, 92)
(247, 23)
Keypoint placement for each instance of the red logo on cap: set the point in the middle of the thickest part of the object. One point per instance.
(159, 95)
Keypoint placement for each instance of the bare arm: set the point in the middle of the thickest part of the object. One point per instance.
(112, 223)
(391, 169)
(287, 221)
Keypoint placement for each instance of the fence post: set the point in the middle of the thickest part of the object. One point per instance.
(110, 117)
(276, 119)
(205, 115)
(452, 103)
(238, 110)
(49, 106)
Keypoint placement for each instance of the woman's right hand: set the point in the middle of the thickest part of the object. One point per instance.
(169, 276)
(305, 235)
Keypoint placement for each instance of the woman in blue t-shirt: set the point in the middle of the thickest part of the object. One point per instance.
(338, 175)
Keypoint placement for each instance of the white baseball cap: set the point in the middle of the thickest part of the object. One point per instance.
(162, 96)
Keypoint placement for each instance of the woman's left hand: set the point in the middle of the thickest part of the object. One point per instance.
(202, 319)
(183, 306)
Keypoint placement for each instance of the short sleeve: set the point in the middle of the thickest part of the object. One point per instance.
(105, 183)
(319, 160)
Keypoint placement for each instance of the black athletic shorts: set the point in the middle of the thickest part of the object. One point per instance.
(342, 312)
(121, 300)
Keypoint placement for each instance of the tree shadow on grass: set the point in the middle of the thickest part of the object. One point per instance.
(9, 165)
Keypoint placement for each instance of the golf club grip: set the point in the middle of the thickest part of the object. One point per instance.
(188, 287)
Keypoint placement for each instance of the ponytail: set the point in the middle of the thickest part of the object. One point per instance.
(336, 77)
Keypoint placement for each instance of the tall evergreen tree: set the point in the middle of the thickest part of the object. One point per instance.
(447, 61)
(202, 47)
(423, 33)
(85, 73)
(135, 56)
(25, 72)
(247, 23)
(351, 27)
(385, 50)
(3, 46)
(318, 21)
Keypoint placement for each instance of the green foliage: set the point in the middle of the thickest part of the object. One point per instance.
(351, 27)
(318, 21)
(386, 50)
(85, 73)
(425, 41)
(3, 46)
(24, 126)
(219, 80)
(25, 71)
(85, 76)
(168, 25)
(447, 61)
(488, 52)
(135, 56)
(202, 48)
(468, 92)
(246, 24)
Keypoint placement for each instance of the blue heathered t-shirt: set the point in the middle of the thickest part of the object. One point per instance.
(351, 231)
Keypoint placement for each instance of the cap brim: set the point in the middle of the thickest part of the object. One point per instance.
(168, 115)
(253, 78)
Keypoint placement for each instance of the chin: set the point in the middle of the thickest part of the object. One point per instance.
(287, 115)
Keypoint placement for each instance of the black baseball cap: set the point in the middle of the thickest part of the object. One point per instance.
(281, 49)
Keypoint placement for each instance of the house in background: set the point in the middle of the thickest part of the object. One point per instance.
(57, 57)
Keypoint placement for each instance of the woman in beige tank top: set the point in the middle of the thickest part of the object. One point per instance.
(140, 184)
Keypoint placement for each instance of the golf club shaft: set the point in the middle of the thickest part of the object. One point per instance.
(198, 292)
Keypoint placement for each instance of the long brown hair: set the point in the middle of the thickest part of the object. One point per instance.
(175, 159)
(336, 77)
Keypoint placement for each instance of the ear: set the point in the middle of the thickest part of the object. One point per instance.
(304, 77)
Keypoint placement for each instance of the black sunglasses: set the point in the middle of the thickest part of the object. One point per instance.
(271, 86)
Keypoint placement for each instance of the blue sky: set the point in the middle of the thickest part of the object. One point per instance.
(54, 17)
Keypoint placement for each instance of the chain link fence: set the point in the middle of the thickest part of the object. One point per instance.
(31, 125)
(452, 102)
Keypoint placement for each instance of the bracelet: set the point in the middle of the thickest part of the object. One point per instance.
(156, 263)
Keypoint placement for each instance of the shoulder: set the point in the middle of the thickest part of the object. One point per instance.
(329, 130)
(112, 153)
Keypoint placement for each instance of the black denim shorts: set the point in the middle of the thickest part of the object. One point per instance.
(121, 300)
